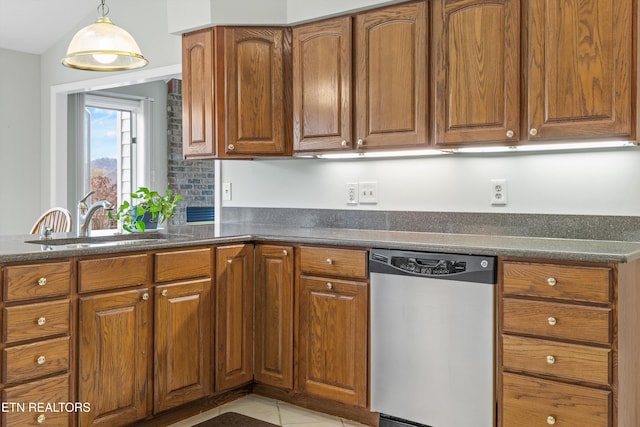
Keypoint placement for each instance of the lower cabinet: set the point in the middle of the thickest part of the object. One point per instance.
(234, 316)
(273, 330)
(115, 357)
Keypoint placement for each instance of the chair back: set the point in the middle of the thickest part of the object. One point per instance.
(59, 219)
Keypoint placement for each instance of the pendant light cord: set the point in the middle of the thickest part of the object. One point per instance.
(103, 9)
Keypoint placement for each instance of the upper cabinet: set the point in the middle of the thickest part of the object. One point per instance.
(581, 77)
(322, 85)
(391, 74)
(384, 53)
(476, 70)
(236, 92)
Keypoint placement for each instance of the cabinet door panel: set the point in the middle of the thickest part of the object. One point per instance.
(580, 69)
(322, 85)
(391, 75)
(234, 308)
(254, 119)
(477, 72)
(183, 343)
(197, 93)
(114, 352)
(274, 316)
(333, 340)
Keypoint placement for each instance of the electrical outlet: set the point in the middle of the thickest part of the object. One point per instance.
(226, 191)
(352, 193)
(368, 192)
(498, 192)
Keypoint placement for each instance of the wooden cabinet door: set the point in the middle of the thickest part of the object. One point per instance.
(322, 85)
(274, 316)
(234, 311)
(333, 331)
(197, 94)
(254, 116)
(115, 357)
(476, 51)
(391, 76)
(183, 343)
(580, 69)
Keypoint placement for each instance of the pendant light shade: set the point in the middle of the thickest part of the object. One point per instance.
(103, 46)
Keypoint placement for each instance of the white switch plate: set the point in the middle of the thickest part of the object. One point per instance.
(498, 192)
(352, 193)
(226, 191)
(368, 192)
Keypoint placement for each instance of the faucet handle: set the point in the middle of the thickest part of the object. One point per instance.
(45, 232)
(86, 196)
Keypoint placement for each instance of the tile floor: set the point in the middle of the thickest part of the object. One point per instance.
(272, 411)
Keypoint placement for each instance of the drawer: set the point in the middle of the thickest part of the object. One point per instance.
(548, 319)
(113, 272)
(24, 282)
(35, 360)
(561, 360)
(334, 262)
(187, 264)
(588, 284)
(34, 396)
(530, 402)
(32, 321)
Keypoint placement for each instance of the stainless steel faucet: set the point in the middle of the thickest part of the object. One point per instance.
(85, 213)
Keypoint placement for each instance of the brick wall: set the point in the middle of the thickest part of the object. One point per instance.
(192, 179)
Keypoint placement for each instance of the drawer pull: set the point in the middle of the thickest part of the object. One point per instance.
(285, 252)
(329, 261)
(329, 285)
(551, 420)
(41, 360)
(551, 281)
(42, 281)
(344, 143)
(360, 143)
(145, 296)
(165, 293)
(41, 321)
(510, 133)
(551, 360)
(41, 419)
(552, 321)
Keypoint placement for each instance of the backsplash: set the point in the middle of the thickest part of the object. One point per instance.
(594, 227)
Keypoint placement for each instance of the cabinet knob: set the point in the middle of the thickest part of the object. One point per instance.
(165, 292)
(41, 419)
(533, 131)
(285, 252)
(145, 296)
(41, 360)
(329, 261)
(551, 360)
(344, 143)
(510, 133)
(329, 285)
(551, 420)
(552, 321)
(231, 147)
(360, 142)
(41, 321)
(42, 281)
(551, 281)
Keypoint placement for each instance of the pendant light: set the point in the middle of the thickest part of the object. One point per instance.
(103, 46)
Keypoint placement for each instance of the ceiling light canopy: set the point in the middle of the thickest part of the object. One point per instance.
(103, 46)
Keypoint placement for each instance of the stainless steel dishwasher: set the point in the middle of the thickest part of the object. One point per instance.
(432, 339)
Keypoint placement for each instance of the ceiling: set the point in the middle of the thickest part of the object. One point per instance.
(33, 26)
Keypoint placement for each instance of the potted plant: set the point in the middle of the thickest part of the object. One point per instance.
(147, 210)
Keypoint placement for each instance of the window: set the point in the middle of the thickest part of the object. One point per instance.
(109, 153)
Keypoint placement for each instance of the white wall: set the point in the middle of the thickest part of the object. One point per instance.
(19, 141)
(595, 183)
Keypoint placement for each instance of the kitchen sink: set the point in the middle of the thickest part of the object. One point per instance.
(111, 240)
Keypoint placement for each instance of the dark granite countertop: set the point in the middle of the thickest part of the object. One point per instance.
(14, 249)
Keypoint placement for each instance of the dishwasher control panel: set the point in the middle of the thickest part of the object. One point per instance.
(470, 268)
